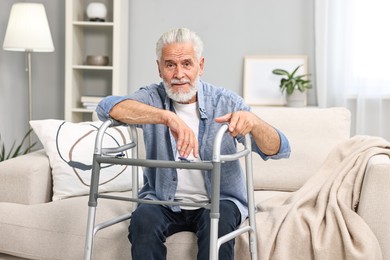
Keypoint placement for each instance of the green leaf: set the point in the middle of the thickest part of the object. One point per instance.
(14, 152)
(280, 72)
(290, 90)
(301, 76)
(295, 71)
(292, 81)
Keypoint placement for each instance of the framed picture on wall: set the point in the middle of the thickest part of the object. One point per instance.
(261, 86)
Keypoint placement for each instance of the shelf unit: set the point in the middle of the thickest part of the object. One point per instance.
(83, 38)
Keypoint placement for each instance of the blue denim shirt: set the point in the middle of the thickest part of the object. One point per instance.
(161, 183)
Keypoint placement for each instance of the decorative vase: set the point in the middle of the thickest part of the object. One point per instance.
(96, 12)
(97, 60)
(297, 99)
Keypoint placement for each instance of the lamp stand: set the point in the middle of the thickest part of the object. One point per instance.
(28, 69)
(28, 31)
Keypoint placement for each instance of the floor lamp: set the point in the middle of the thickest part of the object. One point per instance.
(28, 31)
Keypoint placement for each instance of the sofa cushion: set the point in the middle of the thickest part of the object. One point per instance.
(312, 133)
(56, 230)
(70, 148)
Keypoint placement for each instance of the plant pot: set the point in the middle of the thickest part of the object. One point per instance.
(297, 99)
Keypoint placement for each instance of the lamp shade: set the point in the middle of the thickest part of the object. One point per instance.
(28, 29)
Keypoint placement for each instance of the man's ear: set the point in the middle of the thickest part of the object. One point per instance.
(158, 67)
(201, 66)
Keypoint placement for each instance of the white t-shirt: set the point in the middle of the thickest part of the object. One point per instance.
(190, 186)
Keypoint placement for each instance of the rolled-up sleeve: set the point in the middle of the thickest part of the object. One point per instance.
(284, 149)
(106, 104)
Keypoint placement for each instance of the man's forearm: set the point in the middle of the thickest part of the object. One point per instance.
(243, 122)
(134, 112)
(266, 137)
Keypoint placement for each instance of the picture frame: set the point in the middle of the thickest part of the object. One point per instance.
(261, 86)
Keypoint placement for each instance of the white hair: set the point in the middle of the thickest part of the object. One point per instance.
(180, 35)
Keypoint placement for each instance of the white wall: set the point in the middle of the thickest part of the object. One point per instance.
(230, 30)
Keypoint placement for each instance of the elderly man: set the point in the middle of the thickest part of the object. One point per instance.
(180, 118)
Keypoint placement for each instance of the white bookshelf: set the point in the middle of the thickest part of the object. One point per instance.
(83, 37)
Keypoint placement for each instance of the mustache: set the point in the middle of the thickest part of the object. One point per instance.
(180, 81)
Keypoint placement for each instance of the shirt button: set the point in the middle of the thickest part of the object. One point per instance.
(174, 179)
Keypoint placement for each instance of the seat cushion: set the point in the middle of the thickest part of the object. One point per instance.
(56, 230)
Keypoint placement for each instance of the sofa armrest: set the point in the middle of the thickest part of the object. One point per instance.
(374, 206)
(26, 179)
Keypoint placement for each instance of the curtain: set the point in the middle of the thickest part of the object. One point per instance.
(352, 45)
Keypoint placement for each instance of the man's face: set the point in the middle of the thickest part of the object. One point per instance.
(180, 69)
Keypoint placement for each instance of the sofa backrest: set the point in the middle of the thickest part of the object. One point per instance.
(312, 133)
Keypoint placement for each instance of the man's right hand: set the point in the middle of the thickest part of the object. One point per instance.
(186, 140)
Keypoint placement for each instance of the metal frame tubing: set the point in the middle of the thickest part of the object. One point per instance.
(92, 202)
(104, 155)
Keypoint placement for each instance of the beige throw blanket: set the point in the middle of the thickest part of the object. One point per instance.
(319, 220)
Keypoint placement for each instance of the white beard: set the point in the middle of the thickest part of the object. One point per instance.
(179, 96)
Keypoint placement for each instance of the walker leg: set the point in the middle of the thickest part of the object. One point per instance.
(90, 233)
(92, 203)
(251, 203)
(214, 238)
(214, 211)
(253, 244)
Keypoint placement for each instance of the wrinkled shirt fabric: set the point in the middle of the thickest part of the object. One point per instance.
(213, 102)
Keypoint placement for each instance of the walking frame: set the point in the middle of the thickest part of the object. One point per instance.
(108, 156)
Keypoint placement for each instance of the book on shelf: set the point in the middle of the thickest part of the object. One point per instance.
(91, 99)
(90, 102)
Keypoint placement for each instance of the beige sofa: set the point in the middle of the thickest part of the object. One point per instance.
(33, 227)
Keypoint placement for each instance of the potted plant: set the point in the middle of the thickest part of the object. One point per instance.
(14, 152)
(290, 83)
